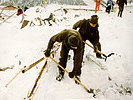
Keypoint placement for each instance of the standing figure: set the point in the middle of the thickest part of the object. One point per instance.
(110, 5)
(88, 28)
(25, 8)
(121, 6)
(20, 11)
(97, 5)
(71, 40)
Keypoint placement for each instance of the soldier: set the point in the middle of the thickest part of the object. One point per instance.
(71, 40)
(121, 6)
(88, 28)
(20, 11)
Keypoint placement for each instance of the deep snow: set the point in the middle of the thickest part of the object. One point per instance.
(27, 45)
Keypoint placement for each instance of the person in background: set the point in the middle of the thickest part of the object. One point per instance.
(20, 11)
(88, 28)
(121, 6)
(25, 8)
(97, 5)
(110, 5)
(71, 40)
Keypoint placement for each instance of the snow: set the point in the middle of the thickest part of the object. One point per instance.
(27, 45)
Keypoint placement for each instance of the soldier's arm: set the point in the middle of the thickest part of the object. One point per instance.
(77, 24)
(56, 38)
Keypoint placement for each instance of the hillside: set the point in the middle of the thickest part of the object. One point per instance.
(22, 47)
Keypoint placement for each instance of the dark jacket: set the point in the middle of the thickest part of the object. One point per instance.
(87, 32)
(63, 37)
(121, 2)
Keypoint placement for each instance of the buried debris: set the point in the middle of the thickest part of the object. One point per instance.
(3, 69)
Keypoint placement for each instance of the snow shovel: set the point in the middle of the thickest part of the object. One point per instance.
(106, 56)
(89, 91)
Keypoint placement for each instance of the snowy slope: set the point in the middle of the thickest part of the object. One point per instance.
(27, 45)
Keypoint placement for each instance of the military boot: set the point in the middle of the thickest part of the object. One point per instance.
(78, 78)
(60, 76)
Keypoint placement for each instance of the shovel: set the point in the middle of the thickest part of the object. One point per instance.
(106, 56)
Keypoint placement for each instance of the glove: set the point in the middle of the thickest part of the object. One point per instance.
(71, 74)
(47, 53)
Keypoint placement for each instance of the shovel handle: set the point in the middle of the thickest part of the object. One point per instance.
(73, 77)
(93, 49)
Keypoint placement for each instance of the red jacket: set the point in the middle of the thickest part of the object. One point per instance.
(98, 0)
(20, 11)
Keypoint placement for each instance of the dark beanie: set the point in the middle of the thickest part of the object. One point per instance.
(94, 19)
(73, 41)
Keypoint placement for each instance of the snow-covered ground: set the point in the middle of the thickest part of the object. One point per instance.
(22, 47)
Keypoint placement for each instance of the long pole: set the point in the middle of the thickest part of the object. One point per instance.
(32, 65)
(14, 77)
(90, 91)
(93, 48)
(38, 79)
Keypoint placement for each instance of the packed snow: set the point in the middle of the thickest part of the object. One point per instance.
(22, 47)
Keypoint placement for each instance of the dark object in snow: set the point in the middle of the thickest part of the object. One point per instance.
(3, 69)
(25, 23)
(109, 78)
(71, 39)
(121, 6)
(25, 8)
(50, 18)
(65, 11)
(108, 8)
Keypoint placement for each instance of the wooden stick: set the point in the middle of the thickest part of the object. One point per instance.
(93, 48)
(14, 77)
(34, 92)
(68, 73)
(38, 79)
(32, 65)
(8, 17)
(35, 63)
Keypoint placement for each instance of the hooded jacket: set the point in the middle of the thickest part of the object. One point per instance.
(63, 37)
